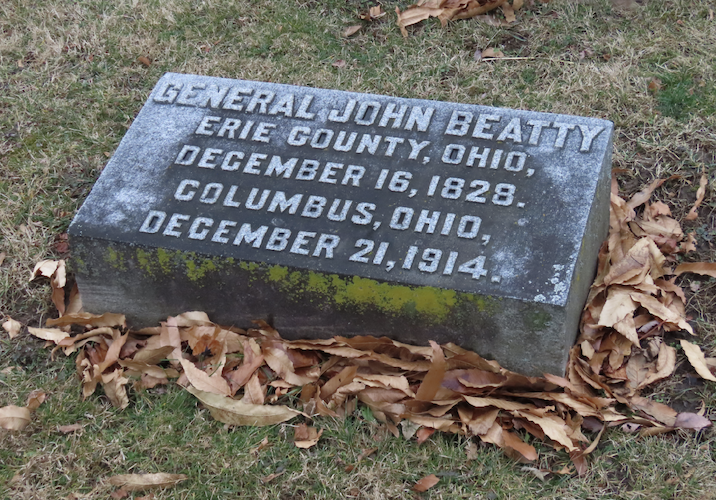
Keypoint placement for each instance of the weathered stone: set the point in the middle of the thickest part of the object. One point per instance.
(335, 213)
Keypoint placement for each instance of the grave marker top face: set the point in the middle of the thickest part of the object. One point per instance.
(461, 197)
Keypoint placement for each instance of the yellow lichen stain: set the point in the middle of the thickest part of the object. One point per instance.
(317, 283)
(484, 304)
(194, 272)
(248, 266)
(277, 273)
(114, 259)
(164, 260)
(144, 262)
(430, 303)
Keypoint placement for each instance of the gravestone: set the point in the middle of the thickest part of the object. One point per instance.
(337, 213)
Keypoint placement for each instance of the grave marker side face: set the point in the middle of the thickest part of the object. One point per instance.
(336, 213)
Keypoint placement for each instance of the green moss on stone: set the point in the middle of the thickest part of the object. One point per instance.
(537, 320)
(143, 258)
(431, 304)
(115, 259)
(164, 259)
(196, 272)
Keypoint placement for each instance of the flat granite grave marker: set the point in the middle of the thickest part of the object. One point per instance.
(336, 213)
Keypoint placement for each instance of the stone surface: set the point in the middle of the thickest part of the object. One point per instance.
(335, 213)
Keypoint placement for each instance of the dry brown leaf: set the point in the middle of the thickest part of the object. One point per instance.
(95, 320)
(433, 379)
(344, 377)
(697, 359)
(119, 494)
(509, 12)
(553, 426)
(489, 52)
(374, 12)
(693, 214)
(12, 327)
(14, 418)
(53, 334)
(271, 477)
(643, 196)
(423, 434)
(692, 421)
(254, 392)
(153, 356)
(144, 60)
(262, 445)
(305, 437)
(66, 429)
(191, 318)
(471, 451)
(665, 364)
(415, 14)
(141, 482)
(137, 369)
(203, 381)
(2, 257)
(45, 268)
(351, 30)
(654, 86)
(426, 483)
(513, 441)
(618, 313)
(504, 404)
(659, 411)
(661, 311)
(474, 8)
(492, 20)
(35, 399)
(279, 361)
(233, 412)
(705, 268)
(114, 387)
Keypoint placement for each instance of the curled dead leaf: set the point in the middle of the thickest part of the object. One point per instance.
(305, 437)
(66, 429)
(35, 399)
(144, 60)
(703, 182)
(492, 53)
(426, 483)
(692, 421)
(654, 85)
(53, 334)
(203, 381)
(141, 482)
(705, 268)
(233, 412)
(374, 12)
(12, 327)
(351, 30)
(697, 359)
(95, 320)
(14, 418)
(271, 477)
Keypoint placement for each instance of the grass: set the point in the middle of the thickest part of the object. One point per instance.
(70, 85)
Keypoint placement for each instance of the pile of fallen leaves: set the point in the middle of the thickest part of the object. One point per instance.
(452, 10)
(444, 10)
(254, 377)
